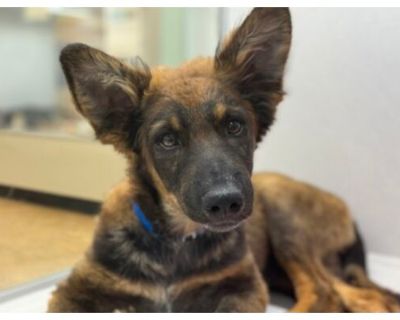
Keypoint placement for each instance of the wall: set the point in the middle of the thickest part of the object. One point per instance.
(339, 126)
(23, 45)
(77, 168)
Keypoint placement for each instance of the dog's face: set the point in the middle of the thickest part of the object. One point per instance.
(200, 138)
(192, 130)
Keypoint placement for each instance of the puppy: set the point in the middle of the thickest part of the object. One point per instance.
(190, 229)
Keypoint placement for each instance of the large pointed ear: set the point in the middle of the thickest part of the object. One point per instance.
(252, 61)
(106, 91)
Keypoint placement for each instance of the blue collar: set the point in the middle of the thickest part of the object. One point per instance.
(148, 226)
(144, 221)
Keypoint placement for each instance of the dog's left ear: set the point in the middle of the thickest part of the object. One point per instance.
(252, 61)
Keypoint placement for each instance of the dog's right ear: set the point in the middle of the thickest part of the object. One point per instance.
(106, 91)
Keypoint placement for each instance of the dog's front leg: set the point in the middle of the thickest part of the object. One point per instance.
(254, 299)
(236, 288)
(91, 288)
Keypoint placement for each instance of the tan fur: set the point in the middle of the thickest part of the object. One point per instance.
(116, 209)
(317, 224)
(110, 280)
(219, 111)
(307, 207)
(365, 300)
(304, 288)
(302, 225)
(195, 281)
(316, 288)
(181, 85)
(175, 123)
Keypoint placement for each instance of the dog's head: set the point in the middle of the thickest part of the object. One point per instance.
(191, 131)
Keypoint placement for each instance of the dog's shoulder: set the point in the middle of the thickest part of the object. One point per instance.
(117, 206)
(121, 194)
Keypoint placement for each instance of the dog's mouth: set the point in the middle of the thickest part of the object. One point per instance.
(223, 226)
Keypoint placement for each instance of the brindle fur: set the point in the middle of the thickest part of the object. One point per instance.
(298, 238)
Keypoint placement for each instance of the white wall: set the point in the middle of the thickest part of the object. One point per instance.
(339, 126)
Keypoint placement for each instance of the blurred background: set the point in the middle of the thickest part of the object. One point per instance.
(339, 126)
(34, 96)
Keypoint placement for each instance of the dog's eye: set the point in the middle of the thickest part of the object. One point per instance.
(234, 127)
(169, 141)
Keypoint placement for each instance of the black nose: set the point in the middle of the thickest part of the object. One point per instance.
(223, 201)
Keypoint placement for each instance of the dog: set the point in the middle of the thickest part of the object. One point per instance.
(190, 229)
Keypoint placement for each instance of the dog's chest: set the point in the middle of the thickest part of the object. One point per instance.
(166, 264)
(165, 260)
(183, 258)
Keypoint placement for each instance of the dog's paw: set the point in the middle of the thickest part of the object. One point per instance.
(324, 301)
(358, 299)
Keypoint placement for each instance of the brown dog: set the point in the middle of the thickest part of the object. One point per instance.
(177, 235)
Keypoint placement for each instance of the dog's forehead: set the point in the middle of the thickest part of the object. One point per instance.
(189, 91)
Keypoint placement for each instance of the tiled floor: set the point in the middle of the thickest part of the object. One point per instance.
(36, 241)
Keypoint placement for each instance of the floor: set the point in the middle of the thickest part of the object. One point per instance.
(36, 241)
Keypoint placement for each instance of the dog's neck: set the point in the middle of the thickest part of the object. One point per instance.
(148, 226)
(151, 209)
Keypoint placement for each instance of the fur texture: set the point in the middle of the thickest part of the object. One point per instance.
(220, 234)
